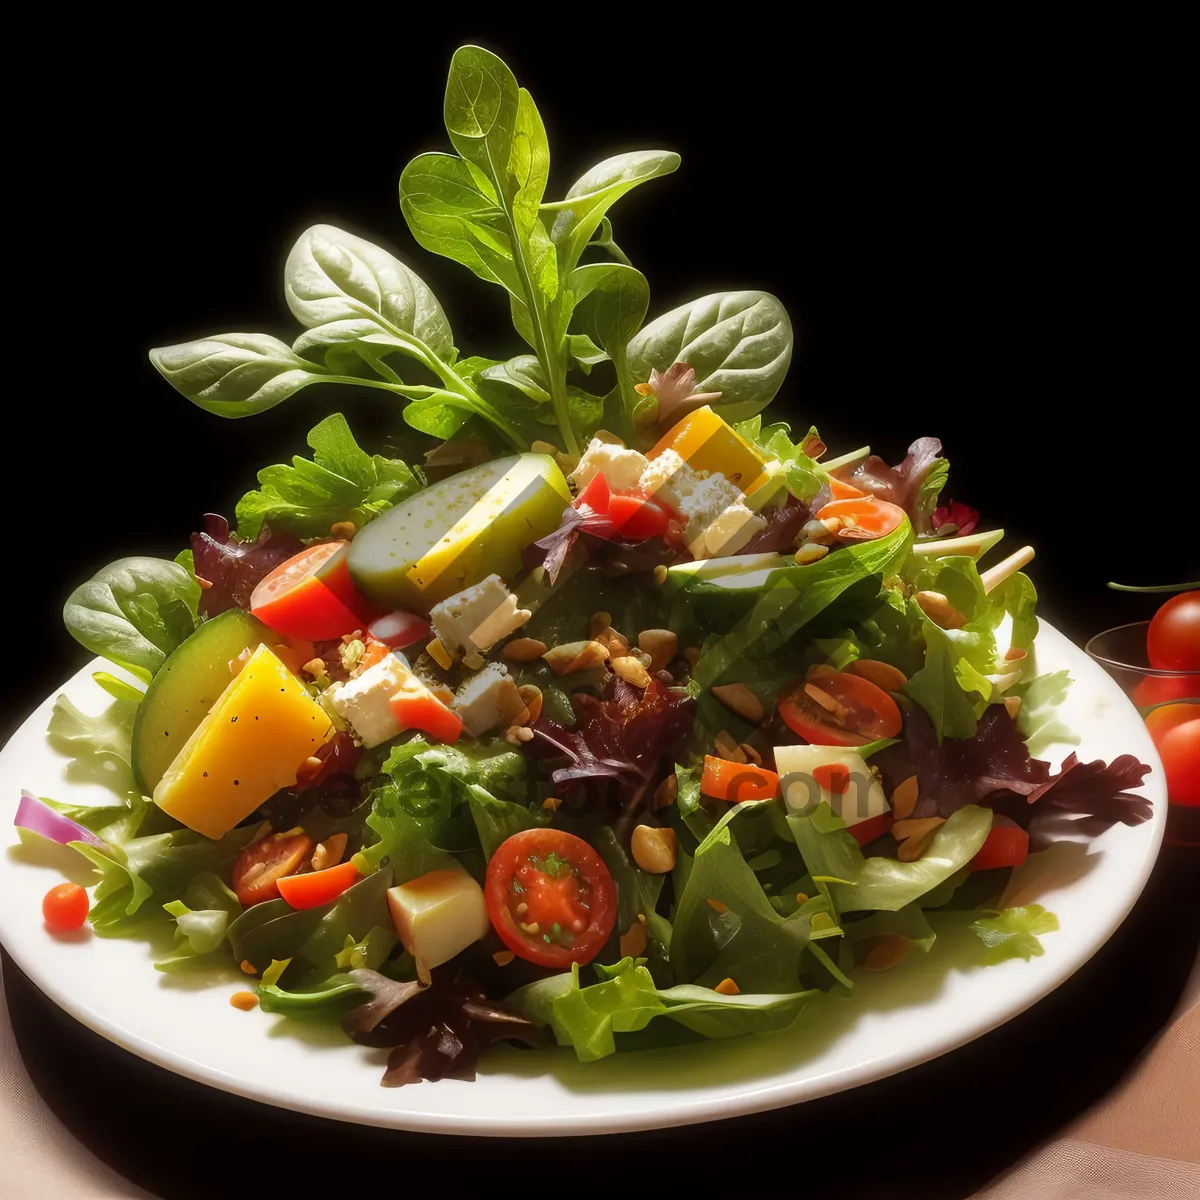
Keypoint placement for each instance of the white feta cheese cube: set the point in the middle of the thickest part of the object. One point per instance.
(620, 467)
(438, 914)
(365, 703)
(488, 700)
(861, 796)
(730, 530)
(718, 521)
(474, 620)
(669, 478)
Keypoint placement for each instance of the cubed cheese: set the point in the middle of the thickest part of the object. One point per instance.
(438, 914)
(365, 703)
(474, 620)
(718, 521)
(861, 799)
(488, 700)
(621, 468)
(669, 478)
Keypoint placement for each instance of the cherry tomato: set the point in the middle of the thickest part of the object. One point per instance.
(1004, 846)
(865, 518)
(399, 629)
(318, 887)
(311, 595)
(260, 867)
(637, 517)
(550, 898)
(1161, 689)
(65, 908)
(1178, 745)
(595, 495)
(863, 711)
(1173, 639)
(865, 832)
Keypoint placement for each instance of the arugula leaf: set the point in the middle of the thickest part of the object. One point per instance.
(341, 483)
(626, 1000)
(134, 612)
(738, 343)
(1014, 933)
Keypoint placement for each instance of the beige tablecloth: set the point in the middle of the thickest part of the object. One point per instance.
(1141, 1143)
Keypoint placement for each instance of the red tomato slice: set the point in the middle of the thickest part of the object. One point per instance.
(735, 782)
(1004, 846)
(595, 495)
(1173, 639)
(311, 595)
(637, 517)
(318, 887)
(867, 831)
(400, 629)
(259, 868)
(550, 898)
(65, 908)
(863, 711)
(864, 518)
(1179, 749)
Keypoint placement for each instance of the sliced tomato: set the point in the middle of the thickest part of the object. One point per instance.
(839, 489)
(1004, 846)
(595, 495)
(318, 887)
(260, 867)
(637, 517)
(65, 908)
(865, 832)
(550, 897)
(864, 518)
(735, 782)
(861, 711)
(1173, 639)
(311, 595)
(400, 629)
(416, 707)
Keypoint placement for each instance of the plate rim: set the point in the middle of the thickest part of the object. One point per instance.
(746, 1100)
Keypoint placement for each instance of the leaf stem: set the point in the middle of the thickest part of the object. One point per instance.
(1161, 587)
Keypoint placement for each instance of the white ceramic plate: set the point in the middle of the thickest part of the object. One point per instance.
(925, 1007)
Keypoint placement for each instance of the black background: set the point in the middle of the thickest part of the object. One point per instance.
(978, 242)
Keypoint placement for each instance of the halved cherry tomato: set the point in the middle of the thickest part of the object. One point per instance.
(637, 517)
(1162, 689)
(839, 489)
(65, 908)
(416, 707)
(260, 867)
(867, 831)
(399, 629)
(595, 495)
(735, 782)
(1004, 846)
(311, 595)
(318, 887)
(863, 711)
(550, 897)
(1173, 639)
(865, 518)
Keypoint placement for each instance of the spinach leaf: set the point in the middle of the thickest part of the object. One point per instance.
(738, 343)
(342, 482)
(237, 374)
(134, 612)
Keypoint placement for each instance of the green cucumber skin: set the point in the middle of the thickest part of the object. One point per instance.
(186, 686)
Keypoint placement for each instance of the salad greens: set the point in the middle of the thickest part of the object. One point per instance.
(645, 721)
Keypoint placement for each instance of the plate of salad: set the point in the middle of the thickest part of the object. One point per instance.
(625, 759)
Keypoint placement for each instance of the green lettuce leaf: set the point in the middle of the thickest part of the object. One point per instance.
(1014, 933)
(775, 442)
(202, 919)
(1039, 719)
(134, 612)
(342, 482)
(885, 883)
(99, 747)
(326, 999)
(626, 1000)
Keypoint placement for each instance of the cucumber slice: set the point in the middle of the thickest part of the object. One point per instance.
(187, 685)
(736, 573)
(458, 531)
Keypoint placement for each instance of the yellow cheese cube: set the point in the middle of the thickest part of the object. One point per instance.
(438, 915)
(252, 743)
